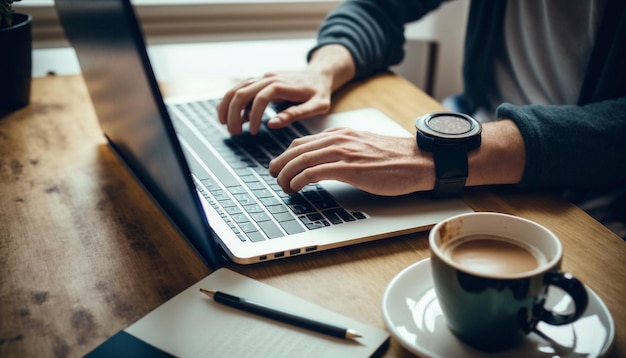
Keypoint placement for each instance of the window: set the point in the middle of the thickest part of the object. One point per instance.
(199, 20)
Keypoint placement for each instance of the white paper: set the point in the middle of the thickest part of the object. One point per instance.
(193, 325)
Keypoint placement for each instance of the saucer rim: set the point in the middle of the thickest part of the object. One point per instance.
(419, 350)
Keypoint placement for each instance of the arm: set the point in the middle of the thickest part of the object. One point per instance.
(501, 157)
(539, 146)
(394, 166)
(572, 146)
(372, 30)
(358, 38)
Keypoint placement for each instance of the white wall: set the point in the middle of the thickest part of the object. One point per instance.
(446, 26)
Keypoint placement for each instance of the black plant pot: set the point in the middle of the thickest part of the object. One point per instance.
(15, 63)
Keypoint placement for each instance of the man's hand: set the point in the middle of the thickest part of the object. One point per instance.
(386, 165)
(246, 102)
(329, 68)
(374, 163)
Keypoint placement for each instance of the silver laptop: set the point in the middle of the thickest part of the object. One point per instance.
(216, 188)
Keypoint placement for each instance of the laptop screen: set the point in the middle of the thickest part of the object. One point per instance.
(111, 51)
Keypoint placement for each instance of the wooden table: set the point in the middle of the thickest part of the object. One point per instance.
(84, 252)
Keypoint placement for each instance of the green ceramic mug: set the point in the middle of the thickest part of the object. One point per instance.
(491, 274)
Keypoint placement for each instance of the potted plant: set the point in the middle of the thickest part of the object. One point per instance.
(15, 57)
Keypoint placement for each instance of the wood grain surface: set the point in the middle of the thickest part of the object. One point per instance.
(84, 252)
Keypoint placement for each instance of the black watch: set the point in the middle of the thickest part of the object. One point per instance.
(449, 136)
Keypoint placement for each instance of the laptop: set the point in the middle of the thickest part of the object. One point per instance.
(215, 188)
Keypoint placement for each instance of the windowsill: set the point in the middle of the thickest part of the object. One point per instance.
(196, 60)
(168, 21)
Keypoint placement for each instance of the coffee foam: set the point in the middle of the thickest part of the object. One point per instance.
(497, 267)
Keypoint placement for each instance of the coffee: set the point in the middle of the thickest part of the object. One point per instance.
(491, 272)
(493, 255)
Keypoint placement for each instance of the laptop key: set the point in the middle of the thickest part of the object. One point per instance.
(283, 216)
(344, 215)
(244, 198)
(267, 202)
(292, 227)
(320, 201)
(298, 204)
(262, 193)
(255, 236)
(332, 216)
(313, 224)
(259, 217)
(270, 229)
(359, 215)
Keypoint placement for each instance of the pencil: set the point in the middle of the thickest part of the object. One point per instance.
(273, 313)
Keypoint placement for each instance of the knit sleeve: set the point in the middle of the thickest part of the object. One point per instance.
(572, 146)
(372, 30)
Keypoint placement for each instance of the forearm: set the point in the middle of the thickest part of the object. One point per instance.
(334, 63)
(372, 30)
(501, 157)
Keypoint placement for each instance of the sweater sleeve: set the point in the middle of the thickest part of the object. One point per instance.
(572, 146)
(372, 30)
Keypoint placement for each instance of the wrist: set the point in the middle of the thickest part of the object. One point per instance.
(449, 136)
(501, 158)
(334, 64)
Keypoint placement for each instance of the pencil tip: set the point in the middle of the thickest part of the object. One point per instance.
(208, 292)
(350, 334)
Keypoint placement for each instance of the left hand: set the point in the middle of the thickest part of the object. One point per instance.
(308, 89)
(378, 164)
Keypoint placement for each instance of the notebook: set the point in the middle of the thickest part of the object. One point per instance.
(213, 187)
(193, 325)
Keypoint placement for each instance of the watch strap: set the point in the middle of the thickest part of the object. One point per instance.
(451, 169)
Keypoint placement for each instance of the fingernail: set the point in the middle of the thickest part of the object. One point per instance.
(274, 120)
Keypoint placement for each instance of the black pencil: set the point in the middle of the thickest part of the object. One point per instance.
(273, 313)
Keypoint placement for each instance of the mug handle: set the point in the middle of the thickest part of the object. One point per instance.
(574, 288)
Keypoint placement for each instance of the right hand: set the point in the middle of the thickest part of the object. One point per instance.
(375, 163)
(309, 89)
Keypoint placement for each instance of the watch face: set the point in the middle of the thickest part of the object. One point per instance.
(448, 124)
(449, 136)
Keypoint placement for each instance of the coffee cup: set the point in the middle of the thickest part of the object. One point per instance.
(491, 274)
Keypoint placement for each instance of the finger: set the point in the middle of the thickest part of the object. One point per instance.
(313, 150)
(325, 171)
(310, 104)
(306, 167)
(254, 119)
(238, 103)
(222, 108)
(294, 113)
(296, 148)
(303, 156)
(260, 102)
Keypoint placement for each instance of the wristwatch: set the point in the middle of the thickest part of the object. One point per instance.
(449, 136)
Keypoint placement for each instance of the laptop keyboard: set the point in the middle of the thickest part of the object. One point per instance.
(250, 201)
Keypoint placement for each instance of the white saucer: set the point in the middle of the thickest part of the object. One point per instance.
(413, 316)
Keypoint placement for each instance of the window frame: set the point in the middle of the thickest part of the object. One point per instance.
(169, 21)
